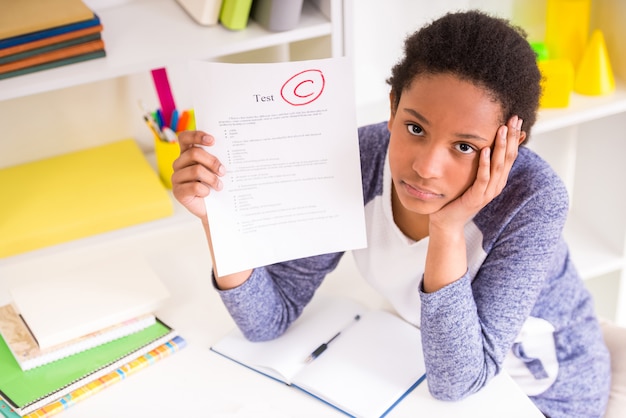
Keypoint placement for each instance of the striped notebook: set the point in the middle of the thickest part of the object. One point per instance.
(95, 386)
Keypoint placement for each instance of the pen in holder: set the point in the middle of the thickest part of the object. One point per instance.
(165, 136)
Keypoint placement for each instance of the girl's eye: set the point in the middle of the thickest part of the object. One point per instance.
(415, 129)
(465, 148)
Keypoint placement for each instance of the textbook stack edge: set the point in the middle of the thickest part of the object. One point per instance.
(39, 35)
(28, 354)
(78, 331)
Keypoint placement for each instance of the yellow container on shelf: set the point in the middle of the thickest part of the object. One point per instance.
(567, 28)
(166, 152)
(557, 83)
(166, 146)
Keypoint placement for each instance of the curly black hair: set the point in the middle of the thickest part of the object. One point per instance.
(485, 50)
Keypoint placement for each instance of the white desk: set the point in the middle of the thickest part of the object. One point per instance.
(198, 382)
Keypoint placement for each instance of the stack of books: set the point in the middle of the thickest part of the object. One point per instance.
(37, 35)
(67, 337)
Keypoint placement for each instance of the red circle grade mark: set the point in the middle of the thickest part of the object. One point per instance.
(294, 91)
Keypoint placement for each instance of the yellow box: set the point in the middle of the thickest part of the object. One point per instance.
(557, 82)
(567, 28)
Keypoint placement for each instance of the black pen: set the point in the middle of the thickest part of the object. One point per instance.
(319, 350)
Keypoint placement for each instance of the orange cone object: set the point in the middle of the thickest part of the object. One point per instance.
(595, 75)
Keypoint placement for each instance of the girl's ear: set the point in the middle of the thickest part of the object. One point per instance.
(522, 137)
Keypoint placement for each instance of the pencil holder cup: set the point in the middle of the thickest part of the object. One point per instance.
(166, 152)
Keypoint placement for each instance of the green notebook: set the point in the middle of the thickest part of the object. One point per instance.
(26, 391)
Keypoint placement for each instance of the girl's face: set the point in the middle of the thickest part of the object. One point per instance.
(441, 124)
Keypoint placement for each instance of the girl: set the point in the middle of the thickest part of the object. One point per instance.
(464, 226)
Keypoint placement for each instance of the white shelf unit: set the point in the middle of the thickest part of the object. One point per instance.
(143, 34)
(582, 143)
(139, 35)
(92, 103)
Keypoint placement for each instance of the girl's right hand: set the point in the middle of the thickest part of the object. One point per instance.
(196, 172)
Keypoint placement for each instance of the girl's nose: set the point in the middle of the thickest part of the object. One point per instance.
(428, 162)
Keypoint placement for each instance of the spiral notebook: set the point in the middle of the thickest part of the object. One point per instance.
(95, 386)
(27, 391)
(29, 355)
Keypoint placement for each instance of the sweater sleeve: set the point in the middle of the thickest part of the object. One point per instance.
(274, 296)
(469, 326)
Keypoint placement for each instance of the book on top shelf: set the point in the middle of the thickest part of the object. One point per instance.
(49, 33)
(27, 353)
(88, 56)
(41, 51)
(50, 40)
(359, 361)
(26, 16)
(50, 55)
(27, 391)
(72, 301)
(39, 35)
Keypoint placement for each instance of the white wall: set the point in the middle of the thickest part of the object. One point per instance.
(379, 29)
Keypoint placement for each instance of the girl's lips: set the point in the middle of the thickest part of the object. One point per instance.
(420, 193)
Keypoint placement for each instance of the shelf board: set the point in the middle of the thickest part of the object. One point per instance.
(582, 109)
(591, 255)
(145, 34)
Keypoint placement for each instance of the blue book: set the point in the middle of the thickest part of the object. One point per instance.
(33, 36)
(6, 411)
(49, 48)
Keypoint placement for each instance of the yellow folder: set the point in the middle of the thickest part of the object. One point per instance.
(76, 195)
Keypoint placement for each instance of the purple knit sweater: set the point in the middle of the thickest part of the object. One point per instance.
(523, 307)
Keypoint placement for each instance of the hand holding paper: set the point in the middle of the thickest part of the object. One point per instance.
(196, 171)
(286, 134)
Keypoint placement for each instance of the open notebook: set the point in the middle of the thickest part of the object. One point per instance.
(369, 367)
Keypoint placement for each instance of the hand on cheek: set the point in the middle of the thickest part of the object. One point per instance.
(493, 171)
(506, 146)
(494, 166)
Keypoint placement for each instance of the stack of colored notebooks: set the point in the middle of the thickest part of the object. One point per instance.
(36, 35)
(66, 337)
